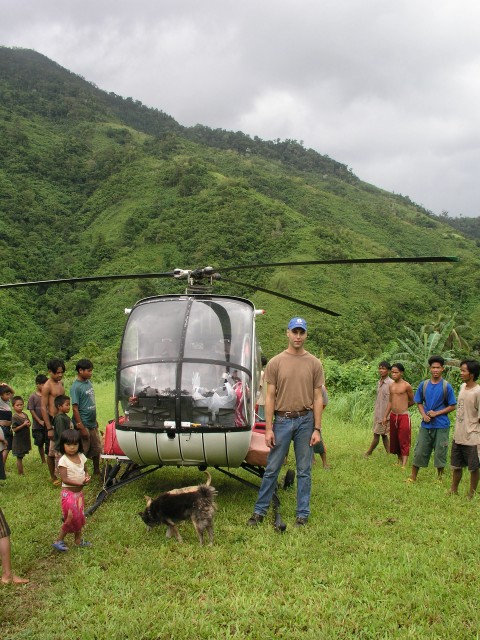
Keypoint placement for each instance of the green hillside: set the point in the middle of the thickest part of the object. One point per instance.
(92, 183)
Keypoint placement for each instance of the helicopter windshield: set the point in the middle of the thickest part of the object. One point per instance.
(187, 362)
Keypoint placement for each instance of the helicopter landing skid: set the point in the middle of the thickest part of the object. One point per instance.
(111, 483)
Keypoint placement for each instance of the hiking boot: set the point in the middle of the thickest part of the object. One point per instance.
(301, 522)
(255, 519)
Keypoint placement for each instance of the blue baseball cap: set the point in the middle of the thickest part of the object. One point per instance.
(297, 323)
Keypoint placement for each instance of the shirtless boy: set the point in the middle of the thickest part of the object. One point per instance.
(52, 388)
(401, 397)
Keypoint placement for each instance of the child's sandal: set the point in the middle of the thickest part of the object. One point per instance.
(60, 546)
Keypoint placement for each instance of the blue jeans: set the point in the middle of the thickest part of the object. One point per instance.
(300, 431)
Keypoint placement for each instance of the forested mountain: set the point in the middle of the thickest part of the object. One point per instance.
(468, 226)
(92, 183)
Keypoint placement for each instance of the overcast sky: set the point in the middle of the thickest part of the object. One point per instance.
(390, 88)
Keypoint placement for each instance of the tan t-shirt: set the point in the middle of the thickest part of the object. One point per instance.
(382, 399)
(295, 377)
(467, 426)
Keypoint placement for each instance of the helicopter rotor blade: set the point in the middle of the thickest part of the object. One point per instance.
(131, 276)
(280, 295)
(340, 261)
(210, 270)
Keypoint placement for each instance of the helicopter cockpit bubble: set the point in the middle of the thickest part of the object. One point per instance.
(177, 359)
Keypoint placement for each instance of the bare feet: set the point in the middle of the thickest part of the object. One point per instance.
(14, 580)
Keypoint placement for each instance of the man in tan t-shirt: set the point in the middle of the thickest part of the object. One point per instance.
(294, 399)
(466, 437)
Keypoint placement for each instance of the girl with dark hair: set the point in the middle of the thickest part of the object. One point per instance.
(73, 473)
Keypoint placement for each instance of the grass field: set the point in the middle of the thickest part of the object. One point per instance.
(378, 559)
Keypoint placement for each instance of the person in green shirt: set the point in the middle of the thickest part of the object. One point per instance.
(85, 412)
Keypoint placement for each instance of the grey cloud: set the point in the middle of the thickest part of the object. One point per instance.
(388, 88)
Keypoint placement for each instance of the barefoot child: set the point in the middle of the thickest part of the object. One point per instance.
(380, 428)
(400, 398)
(73, 472)
(34, 405)
(7, 576)
(466, 437)
(21, 444)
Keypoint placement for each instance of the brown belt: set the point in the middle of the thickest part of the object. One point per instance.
(291, 414)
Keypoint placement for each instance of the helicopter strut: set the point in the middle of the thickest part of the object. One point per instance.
(111, 484)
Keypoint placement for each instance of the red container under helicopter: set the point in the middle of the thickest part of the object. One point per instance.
(187, 381)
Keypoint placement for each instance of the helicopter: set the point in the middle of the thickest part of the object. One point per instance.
(189, 370)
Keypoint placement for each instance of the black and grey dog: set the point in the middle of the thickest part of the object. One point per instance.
(196, 503)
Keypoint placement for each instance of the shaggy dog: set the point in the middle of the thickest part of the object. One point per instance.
(196, 503)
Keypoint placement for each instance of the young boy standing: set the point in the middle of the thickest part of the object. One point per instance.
(61, 422)
(400, 398)
(466, 437)
(52, 388)
(34, 405)
(435, 399)
(380, 428)
(21, 432)
(85, 412)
